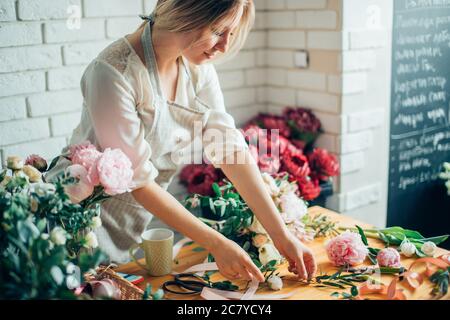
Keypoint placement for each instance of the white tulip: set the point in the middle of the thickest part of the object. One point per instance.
(267, 253)
(429, 248)
(91, 240)
(96, 222)
(257, 227)
(58, 236)
(275, 283)
(270, 184)
(408, 249)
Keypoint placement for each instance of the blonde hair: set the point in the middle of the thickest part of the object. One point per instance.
(191, 15)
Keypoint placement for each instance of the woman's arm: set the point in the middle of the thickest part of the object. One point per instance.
(241, 169)
(230, 258)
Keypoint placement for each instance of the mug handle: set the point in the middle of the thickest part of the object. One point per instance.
(132, 252)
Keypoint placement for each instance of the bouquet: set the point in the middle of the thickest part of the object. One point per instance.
(40, 254)
(289, 152)
(229, 214)
(47, 240)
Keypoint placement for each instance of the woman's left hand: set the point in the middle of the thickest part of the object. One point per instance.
(301, 258)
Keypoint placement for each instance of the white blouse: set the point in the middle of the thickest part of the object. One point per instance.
(124, 108)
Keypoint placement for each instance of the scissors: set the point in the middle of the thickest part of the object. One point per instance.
(186, 281)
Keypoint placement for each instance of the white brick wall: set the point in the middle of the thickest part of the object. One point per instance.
(42, 59)
(44, 52)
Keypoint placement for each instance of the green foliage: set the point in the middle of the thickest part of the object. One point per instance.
(32, 265)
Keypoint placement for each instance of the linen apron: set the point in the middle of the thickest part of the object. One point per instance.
(169, 135)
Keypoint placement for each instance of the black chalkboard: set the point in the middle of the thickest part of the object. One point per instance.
(420, 115)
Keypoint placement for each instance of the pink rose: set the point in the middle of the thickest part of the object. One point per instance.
(79, 191)
(88, 158)
(346, 249)
(115, 171)
(389, 257)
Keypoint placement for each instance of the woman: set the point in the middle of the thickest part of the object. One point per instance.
(145, 94)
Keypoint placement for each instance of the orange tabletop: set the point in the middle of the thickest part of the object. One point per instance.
(187, 257)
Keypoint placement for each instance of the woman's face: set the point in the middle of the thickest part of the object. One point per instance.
(210, 42)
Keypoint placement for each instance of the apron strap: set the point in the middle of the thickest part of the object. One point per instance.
(150, 57)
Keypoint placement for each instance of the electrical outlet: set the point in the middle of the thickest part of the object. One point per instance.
(301, 59)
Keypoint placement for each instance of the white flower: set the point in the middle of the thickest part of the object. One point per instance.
(45, 236)
(267, 253)
(293, 208)
(275, 283)
(429, 248)
(96, 222)
(408, 249)
(33, 174)
(14, 163)
(91, 240)
(287, 187)
(72, 282)
(43, 189)
(257, 227)
(58, 236)
(270, 184)
(447, 166)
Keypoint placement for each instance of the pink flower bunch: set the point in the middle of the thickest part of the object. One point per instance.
(346, 249)
(388, 257)
(110, 169)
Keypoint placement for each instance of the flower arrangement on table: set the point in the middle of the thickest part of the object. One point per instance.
(47, 241)
(289, 150)
(346, 248)
(226, 212)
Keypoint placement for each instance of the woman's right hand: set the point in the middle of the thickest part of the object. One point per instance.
(234, 263)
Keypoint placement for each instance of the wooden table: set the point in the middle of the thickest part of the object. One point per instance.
(187, 258)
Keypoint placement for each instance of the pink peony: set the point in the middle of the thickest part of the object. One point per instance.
(115, 171)
(389, 257)
(346, 249)
(88, 158)
(79, 191)
(77, 147)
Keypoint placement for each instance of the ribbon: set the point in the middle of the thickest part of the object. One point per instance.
(413, 279)
(216, 294)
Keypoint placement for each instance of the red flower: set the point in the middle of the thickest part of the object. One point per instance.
(296, 163)
(303, 119)
(201, 180)
(309, 189)
(273, 122)
(323, 164)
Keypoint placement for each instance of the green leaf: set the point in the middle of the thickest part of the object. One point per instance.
(354, 291)
(335, 294)
(363, 236)
(188, 243)
(53, 163)
(216, 189)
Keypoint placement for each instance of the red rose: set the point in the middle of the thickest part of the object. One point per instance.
(296, 163)
(187, 171)
(274, 122)
(201, 180)
(309, 189)
(323, 164)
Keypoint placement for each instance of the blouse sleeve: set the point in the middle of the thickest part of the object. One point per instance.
(220, 137)
(112, 108)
